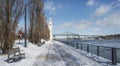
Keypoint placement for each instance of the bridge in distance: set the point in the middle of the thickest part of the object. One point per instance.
(70, 35)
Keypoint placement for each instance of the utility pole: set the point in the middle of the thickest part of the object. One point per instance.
(25, 28)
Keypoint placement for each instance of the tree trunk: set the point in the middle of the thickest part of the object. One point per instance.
(6, 44)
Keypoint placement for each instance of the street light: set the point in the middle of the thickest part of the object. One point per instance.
(25, 28)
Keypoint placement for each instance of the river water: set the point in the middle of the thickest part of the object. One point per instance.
(105, 51)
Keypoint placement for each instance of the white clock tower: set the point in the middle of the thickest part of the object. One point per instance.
(50, 28)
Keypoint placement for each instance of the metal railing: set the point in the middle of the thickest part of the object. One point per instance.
(113, 49)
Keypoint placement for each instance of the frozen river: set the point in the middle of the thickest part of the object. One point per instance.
(104, 51)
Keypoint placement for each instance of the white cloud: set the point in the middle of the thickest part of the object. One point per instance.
(83, 24)
(116, 4)
(103, 9)
(96, 29)
(110, 21)
(90, 2)
(51, 7)
(100, 26)
(67, 24)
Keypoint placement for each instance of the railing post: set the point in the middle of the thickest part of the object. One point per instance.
(66, 42)
(73, 44)
(81, 46)
(70, 44)
(114, 56)
(88, 48)
(98, 54)
(77, 45)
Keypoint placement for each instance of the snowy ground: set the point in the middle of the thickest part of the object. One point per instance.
(54, 53)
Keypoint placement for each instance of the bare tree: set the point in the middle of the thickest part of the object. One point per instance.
(38, 23)
(11, 11)
(45, 33)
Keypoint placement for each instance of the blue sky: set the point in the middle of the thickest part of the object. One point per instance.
(92, 17)
(84, 16)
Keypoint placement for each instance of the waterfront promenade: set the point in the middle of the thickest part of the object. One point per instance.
(54, 53)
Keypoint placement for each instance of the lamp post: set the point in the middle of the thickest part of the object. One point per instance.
(25, 28)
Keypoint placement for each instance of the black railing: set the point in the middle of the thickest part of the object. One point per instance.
(113, 50)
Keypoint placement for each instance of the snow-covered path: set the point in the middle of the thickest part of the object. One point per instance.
(58, 54)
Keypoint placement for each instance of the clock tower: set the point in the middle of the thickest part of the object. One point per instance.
(50, 28)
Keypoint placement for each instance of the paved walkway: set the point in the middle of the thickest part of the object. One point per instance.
(58, 54)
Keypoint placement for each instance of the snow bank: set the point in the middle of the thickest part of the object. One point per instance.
(30, 52)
